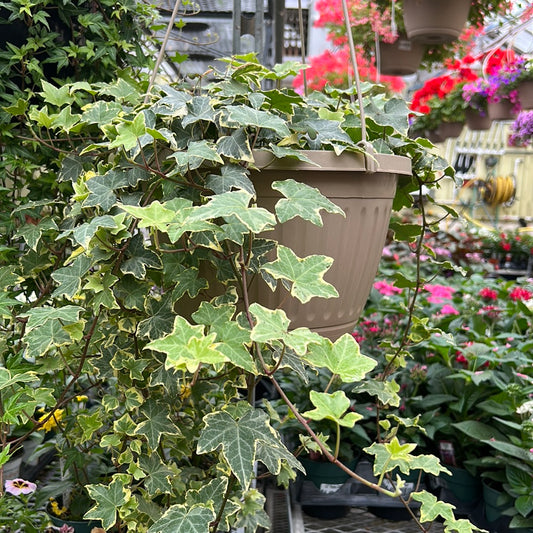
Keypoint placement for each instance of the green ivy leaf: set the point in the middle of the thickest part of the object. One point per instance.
(304, 274)
(195, 156)
(100, 112)
(58, 96)
(32, 233)
(84, 233)
(139, 258)
(272, 325)
(187, 347)
(245, 117)
(303, 201)
(237, 438)
(156, 215)
(343, 357)
(129, 133)
(232, 177)
(332, 407)
(391, 455)
(385, 391)
(184, 519)
(235, 203)
(235, 146)
(157, 424)
(431, 508)
(158, 475)
(109, 498)
(69, 277)
(199, 108)
(89, 424)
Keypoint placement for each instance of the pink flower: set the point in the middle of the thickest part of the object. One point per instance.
(519, 293)
(523, 376)
(448, 310)
(386, 289)
(488, 294)
(19, 486)
(439, 293)
(462, 359)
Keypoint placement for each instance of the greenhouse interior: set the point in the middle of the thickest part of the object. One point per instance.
(266, 265)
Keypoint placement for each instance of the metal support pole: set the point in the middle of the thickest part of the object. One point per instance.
(259, 29)
(236, 27)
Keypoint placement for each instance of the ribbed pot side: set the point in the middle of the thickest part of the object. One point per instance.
(355, 243)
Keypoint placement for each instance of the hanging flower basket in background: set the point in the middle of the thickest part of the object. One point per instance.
(476, 121)
(502, 110)
(400, 58)
(435, 21)
(525, 94)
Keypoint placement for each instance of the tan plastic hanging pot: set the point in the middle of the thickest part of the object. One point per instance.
(525, 94)
(435, 21)
(400, 58)
(475, 121)
(355, 243)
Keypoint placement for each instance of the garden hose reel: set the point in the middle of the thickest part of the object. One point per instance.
(499, 190)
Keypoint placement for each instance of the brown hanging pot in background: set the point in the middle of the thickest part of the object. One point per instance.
(435, 21)
(401, 57)
(525, 94)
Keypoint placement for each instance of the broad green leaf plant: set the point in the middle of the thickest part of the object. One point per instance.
(126, 301)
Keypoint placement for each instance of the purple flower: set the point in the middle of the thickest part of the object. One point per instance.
(522, 129)
(19, 486)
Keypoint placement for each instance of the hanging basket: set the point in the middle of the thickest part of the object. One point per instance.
(355, 243)
(502, 110)
(401, 57)
(435, 21)
(450, 130)
(525, 95)
(475, 121)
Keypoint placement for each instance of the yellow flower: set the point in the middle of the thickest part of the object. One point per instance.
(81, 398)
(53, 421)
(55, 509)
(185, 391)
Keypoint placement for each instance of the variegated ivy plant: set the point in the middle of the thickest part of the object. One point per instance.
(140, 363)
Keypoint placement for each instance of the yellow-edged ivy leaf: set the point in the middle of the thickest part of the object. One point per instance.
(391, 455)
(129, 133)
(157, 424)
(89, 424)
(385, 391)
(272, 325)
(58, 96)
(158, 474)
(244, 116)
(100, 112)
(343, 357)
(332, 407)
(139, 258)
(460, 525)
(187, 347)
(235, 146)
(214, 492)
(184, 519)
(155, 215)
(232, 176)
(429, 464)
(69, 277)
(236, 203)
(84, 233)
(305, 275)
(195, 155)
(109, 498)
(432, 508)
(303, 201)
(237, 438)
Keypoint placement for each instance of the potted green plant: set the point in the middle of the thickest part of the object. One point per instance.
(161, 191)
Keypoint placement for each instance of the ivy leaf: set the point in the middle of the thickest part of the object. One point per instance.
(385, 391)
(332, 407)
(131, 292)
(158, 475)
(84, 233)
(235, 203)
(139, 258)
(431, 508)
(237, 439)
(232, 339)
(156, 424)
(199, 108)
(100, 112)
(156, 215)
(160, 318)
(235, 146)
(184, 519)
(214, 492)
(304, 274)
(196, 154)
(66, 120)
(187, 281)
(69, 277)
(427, 463)
(187, 347)
(129, 133)
(89, 424)
(246, 117)
(303, 201)
(108, 500)
(232, 177)
(32, 233)
(6, 305)
(58, 96)
(394, 113)
(7, 379)
(343, 357)
(461, 525)
(391, 455)
(272, 325)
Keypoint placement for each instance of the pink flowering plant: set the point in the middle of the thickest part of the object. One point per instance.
(18, 508)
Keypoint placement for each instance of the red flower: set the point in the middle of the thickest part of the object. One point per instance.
(519, 293)
(488, 294)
